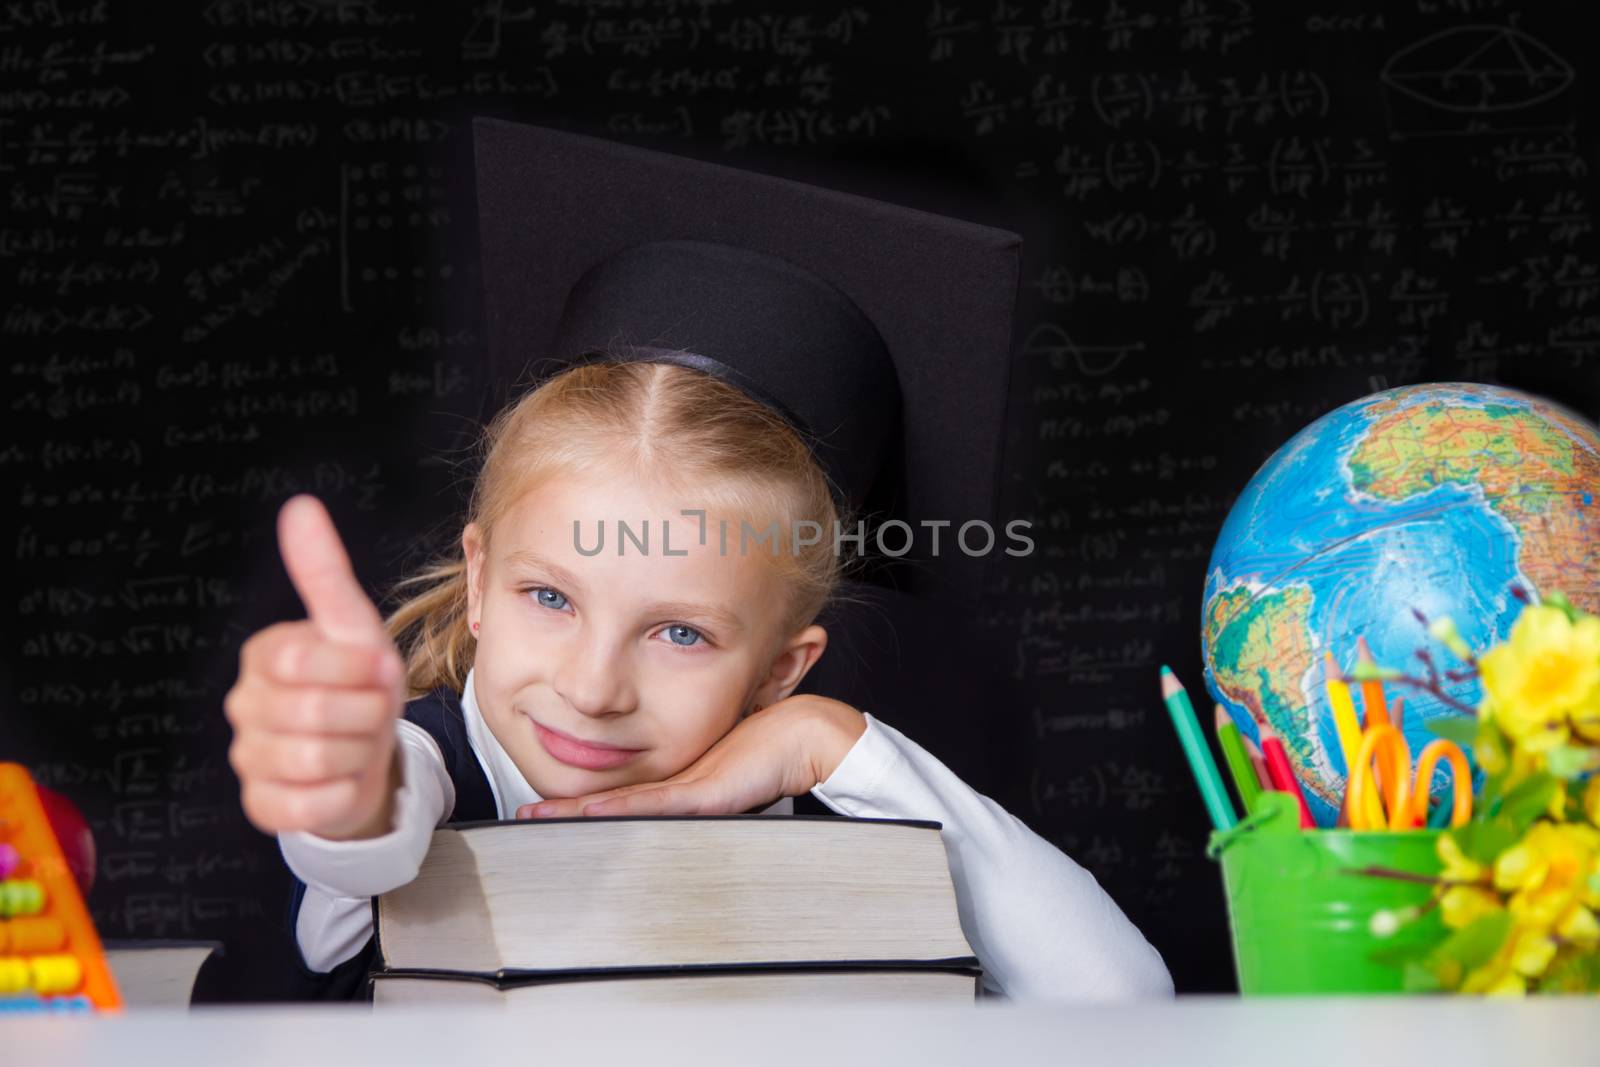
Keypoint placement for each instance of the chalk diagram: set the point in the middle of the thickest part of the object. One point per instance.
(1093, 361)
(1478, 70)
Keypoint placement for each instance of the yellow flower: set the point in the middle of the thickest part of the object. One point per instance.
(1580, 927)
(1525, 762)
(1495, 982)
(1526, 954)
(1531, 952)
(1510, 984)
(1520, 867)
(1541, 691)
(1548, 668)
(1498, 977)
(1461, 904)
(1586, 718)
(1549, 872)
(1458, 867)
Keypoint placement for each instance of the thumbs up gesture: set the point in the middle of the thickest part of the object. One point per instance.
(314, 708)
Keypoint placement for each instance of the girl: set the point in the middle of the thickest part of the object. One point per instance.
(537, 680)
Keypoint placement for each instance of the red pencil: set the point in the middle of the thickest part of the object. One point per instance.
(1283, 778)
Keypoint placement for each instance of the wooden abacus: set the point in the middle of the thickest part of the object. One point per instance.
(50, 955)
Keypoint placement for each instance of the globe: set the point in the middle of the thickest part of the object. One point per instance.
(1442, 499)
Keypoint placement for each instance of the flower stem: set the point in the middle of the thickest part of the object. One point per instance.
(1437, 691)
(1390, 872)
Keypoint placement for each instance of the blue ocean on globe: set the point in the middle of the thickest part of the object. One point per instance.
(1436, 499)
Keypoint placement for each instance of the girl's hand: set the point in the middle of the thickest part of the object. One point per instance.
(314, 709)
(780, 751)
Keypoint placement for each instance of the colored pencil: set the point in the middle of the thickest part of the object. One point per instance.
(1348, 728)
(1283, 778)
(1206, 776)
(1374, 706)
(1257, 760)
(1375, 712)
(1245, 781)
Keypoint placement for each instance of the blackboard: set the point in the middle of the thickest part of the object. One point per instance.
(238, 252)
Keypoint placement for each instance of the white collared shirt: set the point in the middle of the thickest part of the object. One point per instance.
(1040, 924)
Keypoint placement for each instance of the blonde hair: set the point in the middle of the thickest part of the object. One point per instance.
(684, 430)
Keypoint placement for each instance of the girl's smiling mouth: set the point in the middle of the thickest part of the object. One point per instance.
(575, 753)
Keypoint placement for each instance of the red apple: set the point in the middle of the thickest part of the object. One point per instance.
(72, 834)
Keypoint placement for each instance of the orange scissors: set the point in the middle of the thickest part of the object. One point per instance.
(1406, 795)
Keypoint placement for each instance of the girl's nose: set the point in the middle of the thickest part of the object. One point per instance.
(594, 677)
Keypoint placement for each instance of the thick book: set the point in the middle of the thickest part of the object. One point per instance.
(157, 974)
(856, 984)
(549, 898)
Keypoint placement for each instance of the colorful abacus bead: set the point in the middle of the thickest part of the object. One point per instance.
(47, 975)
(15, 975)
(28, 1002)
(56, 974)
(70, 1005)
(32, 935)
(10, 860)
(21, 897)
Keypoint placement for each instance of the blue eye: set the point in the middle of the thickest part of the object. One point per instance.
(540, 596)
(673, 632)
(679, 634)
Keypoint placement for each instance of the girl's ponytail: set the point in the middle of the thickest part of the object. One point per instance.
(430, 627)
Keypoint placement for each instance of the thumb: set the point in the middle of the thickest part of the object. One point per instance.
(321, 573)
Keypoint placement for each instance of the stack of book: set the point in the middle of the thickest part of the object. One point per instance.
(636, 909)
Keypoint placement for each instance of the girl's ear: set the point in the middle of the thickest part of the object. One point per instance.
(472, 548)
(789, 666)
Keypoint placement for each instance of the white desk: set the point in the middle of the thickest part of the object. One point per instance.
(1390, 1032)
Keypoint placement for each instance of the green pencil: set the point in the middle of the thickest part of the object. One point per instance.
(1240, 768)
(1206, 776)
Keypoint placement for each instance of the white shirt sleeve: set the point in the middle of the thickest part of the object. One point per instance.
(1040, 924)
(342, 877)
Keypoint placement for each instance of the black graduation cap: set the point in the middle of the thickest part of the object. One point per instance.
(881, 332)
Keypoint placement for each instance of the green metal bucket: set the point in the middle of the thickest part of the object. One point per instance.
(1300, 912)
